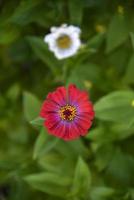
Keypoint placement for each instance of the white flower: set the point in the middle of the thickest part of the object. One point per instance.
(64, 41)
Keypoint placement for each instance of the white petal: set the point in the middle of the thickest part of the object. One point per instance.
(74, 29)
(76, 42)
(64, 25)
(59, 32)
(48, 38)
(53, 29)
(56, 32)
(60, 54)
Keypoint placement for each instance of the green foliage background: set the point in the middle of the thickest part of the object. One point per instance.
(34, 165)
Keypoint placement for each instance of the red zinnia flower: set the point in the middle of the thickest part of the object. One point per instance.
(68, 113)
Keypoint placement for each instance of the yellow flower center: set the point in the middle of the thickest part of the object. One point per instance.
(64, 42)
(67, 112)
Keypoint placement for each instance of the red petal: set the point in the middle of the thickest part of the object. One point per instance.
(51, 122)
(64, 129)
(84, 122)
(59, 96)
(81, 130)
(86, 107)
(57, 130)
(75, 95)
(48, 107)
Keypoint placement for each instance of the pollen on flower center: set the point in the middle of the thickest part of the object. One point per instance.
(64, 42)
(67, 112)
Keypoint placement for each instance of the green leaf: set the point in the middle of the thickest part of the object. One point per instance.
(131, 192)
(76, 147)
(44, 144)
(103, 155)
(24, 13)
(50, 183)
(90, 48)
(37, 122)
(132, 39)
(50, 161)
(39, 145)
(129, 76)
(101, 193)
(31, 106)
(19, 190)
(89, 73)
(41, 50)
(121, 168)
(95, 134)
(96, 41)
(116, 107)
(123, 131)
(116, 132)
(82, 180)
(76, 11)
(117, 33)
(13, 92)
(132, 124)
(8, 34)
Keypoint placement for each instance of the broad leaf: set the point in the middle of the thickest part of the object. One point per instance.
(83, 73)
(50, 183)
(44, 144)
(116, 107)
(101, 193)
(31, 106)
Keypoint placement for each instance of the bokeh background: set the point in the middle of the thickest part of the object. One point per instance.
(34, 165)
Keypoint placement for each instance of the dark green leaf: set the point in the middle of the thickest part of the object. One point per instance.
(132, 39)
(24, 13)
(41, 50)
(117, 33)
(76, 11)
(129, 78)
(95, 42)
(121, 168)
(8, 34)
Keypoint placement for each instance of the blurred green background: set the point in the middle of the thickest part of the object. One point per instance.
(34, 165)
